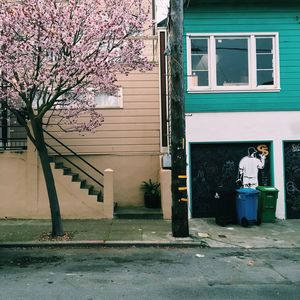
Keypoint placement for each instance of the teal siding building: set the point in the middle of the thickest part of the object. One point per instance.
(242, 79)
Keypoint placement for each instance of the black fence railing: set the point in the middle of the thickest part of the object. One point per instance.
(12, 137)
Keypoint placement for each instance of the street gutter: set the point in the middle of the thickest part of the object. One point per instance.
(102, 243)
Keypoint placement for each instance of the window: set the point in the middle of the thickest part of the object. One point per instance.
(110, 101)
(101, 101)
(233, 62)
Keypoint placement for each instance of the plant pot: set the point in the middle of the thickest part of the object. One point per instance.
(152, 201)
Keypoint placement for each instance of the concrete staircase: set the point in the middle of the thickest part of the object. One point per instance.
(83, 184)
(137, 212)
(74, 177)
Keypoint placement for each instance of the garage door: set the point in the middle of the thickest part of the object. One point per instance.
(292, 179)
(217, 164)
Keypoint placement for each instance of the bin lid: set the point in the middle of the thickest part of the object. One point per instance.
(247, 191)
(267, 189)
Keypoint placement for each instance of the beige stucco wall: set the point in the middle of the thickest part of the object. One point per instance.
(129, 172)
(23, 191)
(166, 193)
(13, 193)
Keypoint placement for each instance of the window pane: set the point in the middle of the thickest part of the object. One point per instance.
(264, 61)
(199, 62)
(105, 100)
(199, 46)
(264, 45)
(265, 78)
(232, 61)
(199, 78)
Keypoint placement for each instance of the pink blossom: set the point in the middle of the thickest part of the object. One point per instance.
(60, 54)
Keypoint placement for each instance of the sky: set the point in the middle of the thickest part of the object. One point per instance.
(161, 9)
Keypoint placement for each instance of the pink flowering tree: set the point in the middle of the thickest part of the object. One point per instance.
(55, 56)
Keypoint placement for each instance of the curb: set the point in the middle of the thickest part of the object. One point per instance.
(102, 243)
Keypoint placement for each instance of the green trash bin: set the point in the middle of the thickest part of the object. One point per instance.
(267, 203)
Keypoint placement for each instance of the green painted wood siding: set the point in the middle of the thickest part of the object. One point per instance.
(247, 18)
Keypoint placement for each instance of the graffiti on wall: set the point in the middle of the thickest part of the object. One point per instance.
(292, 179)
(250, 165)
(227, 165)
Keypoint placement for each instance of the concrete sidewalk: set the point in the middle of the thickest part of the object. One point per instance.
(118, 232)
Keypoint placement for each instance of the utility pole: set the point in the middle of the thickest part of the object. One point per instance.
(179, 187)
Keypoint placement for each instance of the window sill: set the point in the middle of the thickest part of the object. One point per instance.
(109, 107)
(220, 91)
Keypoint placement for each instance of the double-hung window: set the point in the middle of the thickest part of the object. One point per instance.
(233, 62)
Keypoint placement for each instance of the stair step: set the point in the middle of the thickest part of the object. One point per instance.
(75, 177)
(59, 165)
(98, 194)
(83, 183)
(93, 192)
(67, 171)
(50, 159)
(86, 186)
(137, 212)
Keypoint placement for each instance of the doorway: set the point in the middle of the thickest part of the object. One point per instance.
(292, 179)
(215, 164)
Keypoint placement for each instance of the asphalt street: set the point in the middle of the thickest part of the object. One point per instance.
(150, 273)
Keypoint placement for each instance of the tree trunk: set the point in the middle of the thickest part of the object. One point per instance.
(57, 228)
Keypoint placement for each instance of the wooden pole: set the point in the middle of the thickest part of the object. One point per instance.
(179, 187)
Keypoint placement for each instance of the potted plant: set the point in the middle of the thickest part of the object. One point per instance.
(151, 193)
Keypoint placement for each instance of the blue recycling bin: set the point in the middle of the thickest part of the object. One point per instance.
(246, 206)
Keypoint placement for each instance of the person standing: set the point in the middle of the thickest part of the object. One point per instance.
(249, 167)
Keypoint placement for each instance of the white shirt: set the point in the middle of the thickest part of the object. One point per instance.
(250, 165)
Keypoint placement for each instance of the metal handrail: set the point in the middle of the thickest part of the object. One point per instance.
(75, 154)
(68, 160)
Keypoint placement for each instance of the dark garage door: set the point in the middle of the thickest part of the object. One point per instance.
(217, 164)
(292, 179)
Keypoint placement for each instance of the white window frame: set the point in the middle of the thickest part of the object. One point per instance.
(120, 101)
(119, 105)
(212, 74)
